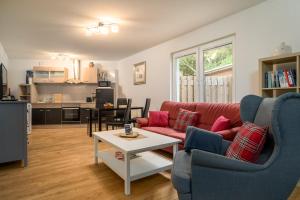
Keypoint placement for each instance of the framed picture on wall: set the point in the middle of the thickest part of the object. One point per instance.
(139, 73)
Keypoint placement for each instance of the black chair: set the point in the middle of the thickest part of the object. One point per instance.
(144, 112)
(120, 113)
(125, 120)
(94, 120)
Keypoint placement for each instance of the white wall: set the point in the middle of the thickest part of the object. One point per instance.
(258, 30)
(3, 56)
(18, 67)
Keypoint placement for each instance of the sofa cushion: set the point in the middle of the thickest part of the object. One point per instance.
(158, 118)
(181, 172)
(166, 131)
(174, 107)
(248, 143)
(184, 119)
(221, 123)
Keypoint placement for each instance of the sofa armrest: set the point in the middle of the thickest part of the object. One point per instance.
(142, 122)
(229, 134)
(216, 161)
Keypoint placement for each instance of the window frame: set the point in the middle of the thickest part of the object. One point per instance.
(175, 71)
(212, 45)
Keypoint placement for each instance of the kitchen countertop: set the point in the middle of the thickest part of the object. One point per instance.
(64, 104)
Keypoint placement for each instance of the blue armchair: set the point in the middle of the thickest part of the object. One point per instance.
(205, 175)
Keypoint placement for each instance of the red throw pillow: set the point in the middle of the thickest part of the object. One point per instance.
(222, 123)
(158, 118)
(248, 143)
(184, 119)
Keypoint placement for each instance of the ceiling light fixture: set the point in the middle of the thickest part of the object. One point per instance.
(103, 28)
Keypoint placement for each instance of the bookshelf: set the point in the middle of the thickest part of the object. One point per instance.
(27, 92)
(279, 75)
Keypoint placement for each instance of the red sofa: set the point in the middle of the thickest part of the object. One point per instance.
(209, 112)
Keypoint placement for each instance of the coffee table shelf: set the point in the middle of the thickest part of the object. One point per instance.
(145, 164)
(148, 163)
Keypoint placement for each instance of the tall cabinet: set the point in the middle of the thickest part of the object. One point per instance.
(279, 75)
(13, 131)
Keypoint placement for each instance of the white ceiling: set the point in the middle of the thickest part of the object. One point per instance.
(34, 28)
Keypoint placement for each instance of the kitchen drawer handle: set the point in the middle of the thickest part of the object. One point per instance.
(48, 110)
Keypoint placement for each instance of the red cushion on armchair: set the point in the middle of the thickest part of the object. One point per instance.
(248, 143)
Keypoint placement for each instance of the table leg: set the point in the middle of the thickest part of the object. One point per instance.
(127, 174)
(99, 120)
(96, 149)
(91, 122)
(175, 149)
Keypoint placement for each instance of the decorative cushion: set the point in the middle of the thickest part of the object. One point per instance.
(184, 119)
(248, 143)
(158, 118)
(221, 123)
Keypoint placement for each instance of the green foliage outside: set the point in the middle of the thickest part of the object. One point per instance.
(187, 65)
(217, 57)
(213, 58)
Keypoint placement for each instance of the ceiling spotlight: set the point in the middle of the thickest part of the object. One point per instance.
(114, 28)
(104, 28)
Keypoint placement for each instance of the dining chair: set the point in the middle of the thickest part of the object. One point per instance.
(144, 112)
(121, 102)
(123, 121)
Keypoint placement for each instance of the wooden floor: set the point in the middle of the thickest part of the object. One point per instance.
(61, 166)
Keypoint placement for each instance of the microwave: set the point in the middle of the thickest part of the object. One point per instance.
(104, 84)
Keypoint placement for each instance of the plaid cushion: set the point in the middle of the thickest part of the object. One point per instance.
(184, 119)
(248, 143)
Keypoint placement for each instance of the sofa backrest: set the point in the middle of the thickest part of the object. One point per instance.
(174, 107)
(209, 112)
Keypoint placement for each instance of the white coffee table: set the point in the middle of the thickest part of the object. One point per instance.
(145, 164)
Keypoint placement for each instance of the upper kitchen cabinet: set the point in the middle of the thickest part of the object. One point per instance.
(89, 75)
(50, 74)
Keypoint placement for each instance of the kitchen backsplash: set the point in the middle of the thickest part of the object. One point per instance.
(68, 93)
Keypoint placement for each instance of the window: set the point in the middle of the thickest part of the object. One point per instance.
(204, 73)
(217, 58)
(185, 64)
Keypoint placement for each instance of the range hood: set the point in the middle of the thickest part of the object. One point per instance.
(76, 72)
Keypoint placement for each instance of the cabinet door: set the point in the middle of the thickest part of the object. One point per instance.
(89, 75)
(53, 116)
(84, 115)
(38, 116)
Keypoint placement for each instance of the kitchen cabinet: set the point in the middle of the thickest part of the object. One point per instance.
(89, 75)
(38, 116)
(41, 116)
(50, 74)
(84, 115)
(53, 116)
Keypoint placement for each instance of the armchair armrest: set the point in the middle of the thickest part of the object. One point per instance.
(142, 122)
(229, 134)
(216, 161)
(204, 140)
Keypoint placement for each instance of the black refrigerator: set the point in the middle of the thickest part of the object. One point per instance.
(104, 95)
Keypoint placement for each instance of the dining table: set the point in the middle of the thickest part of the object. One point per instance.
(101, 114)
